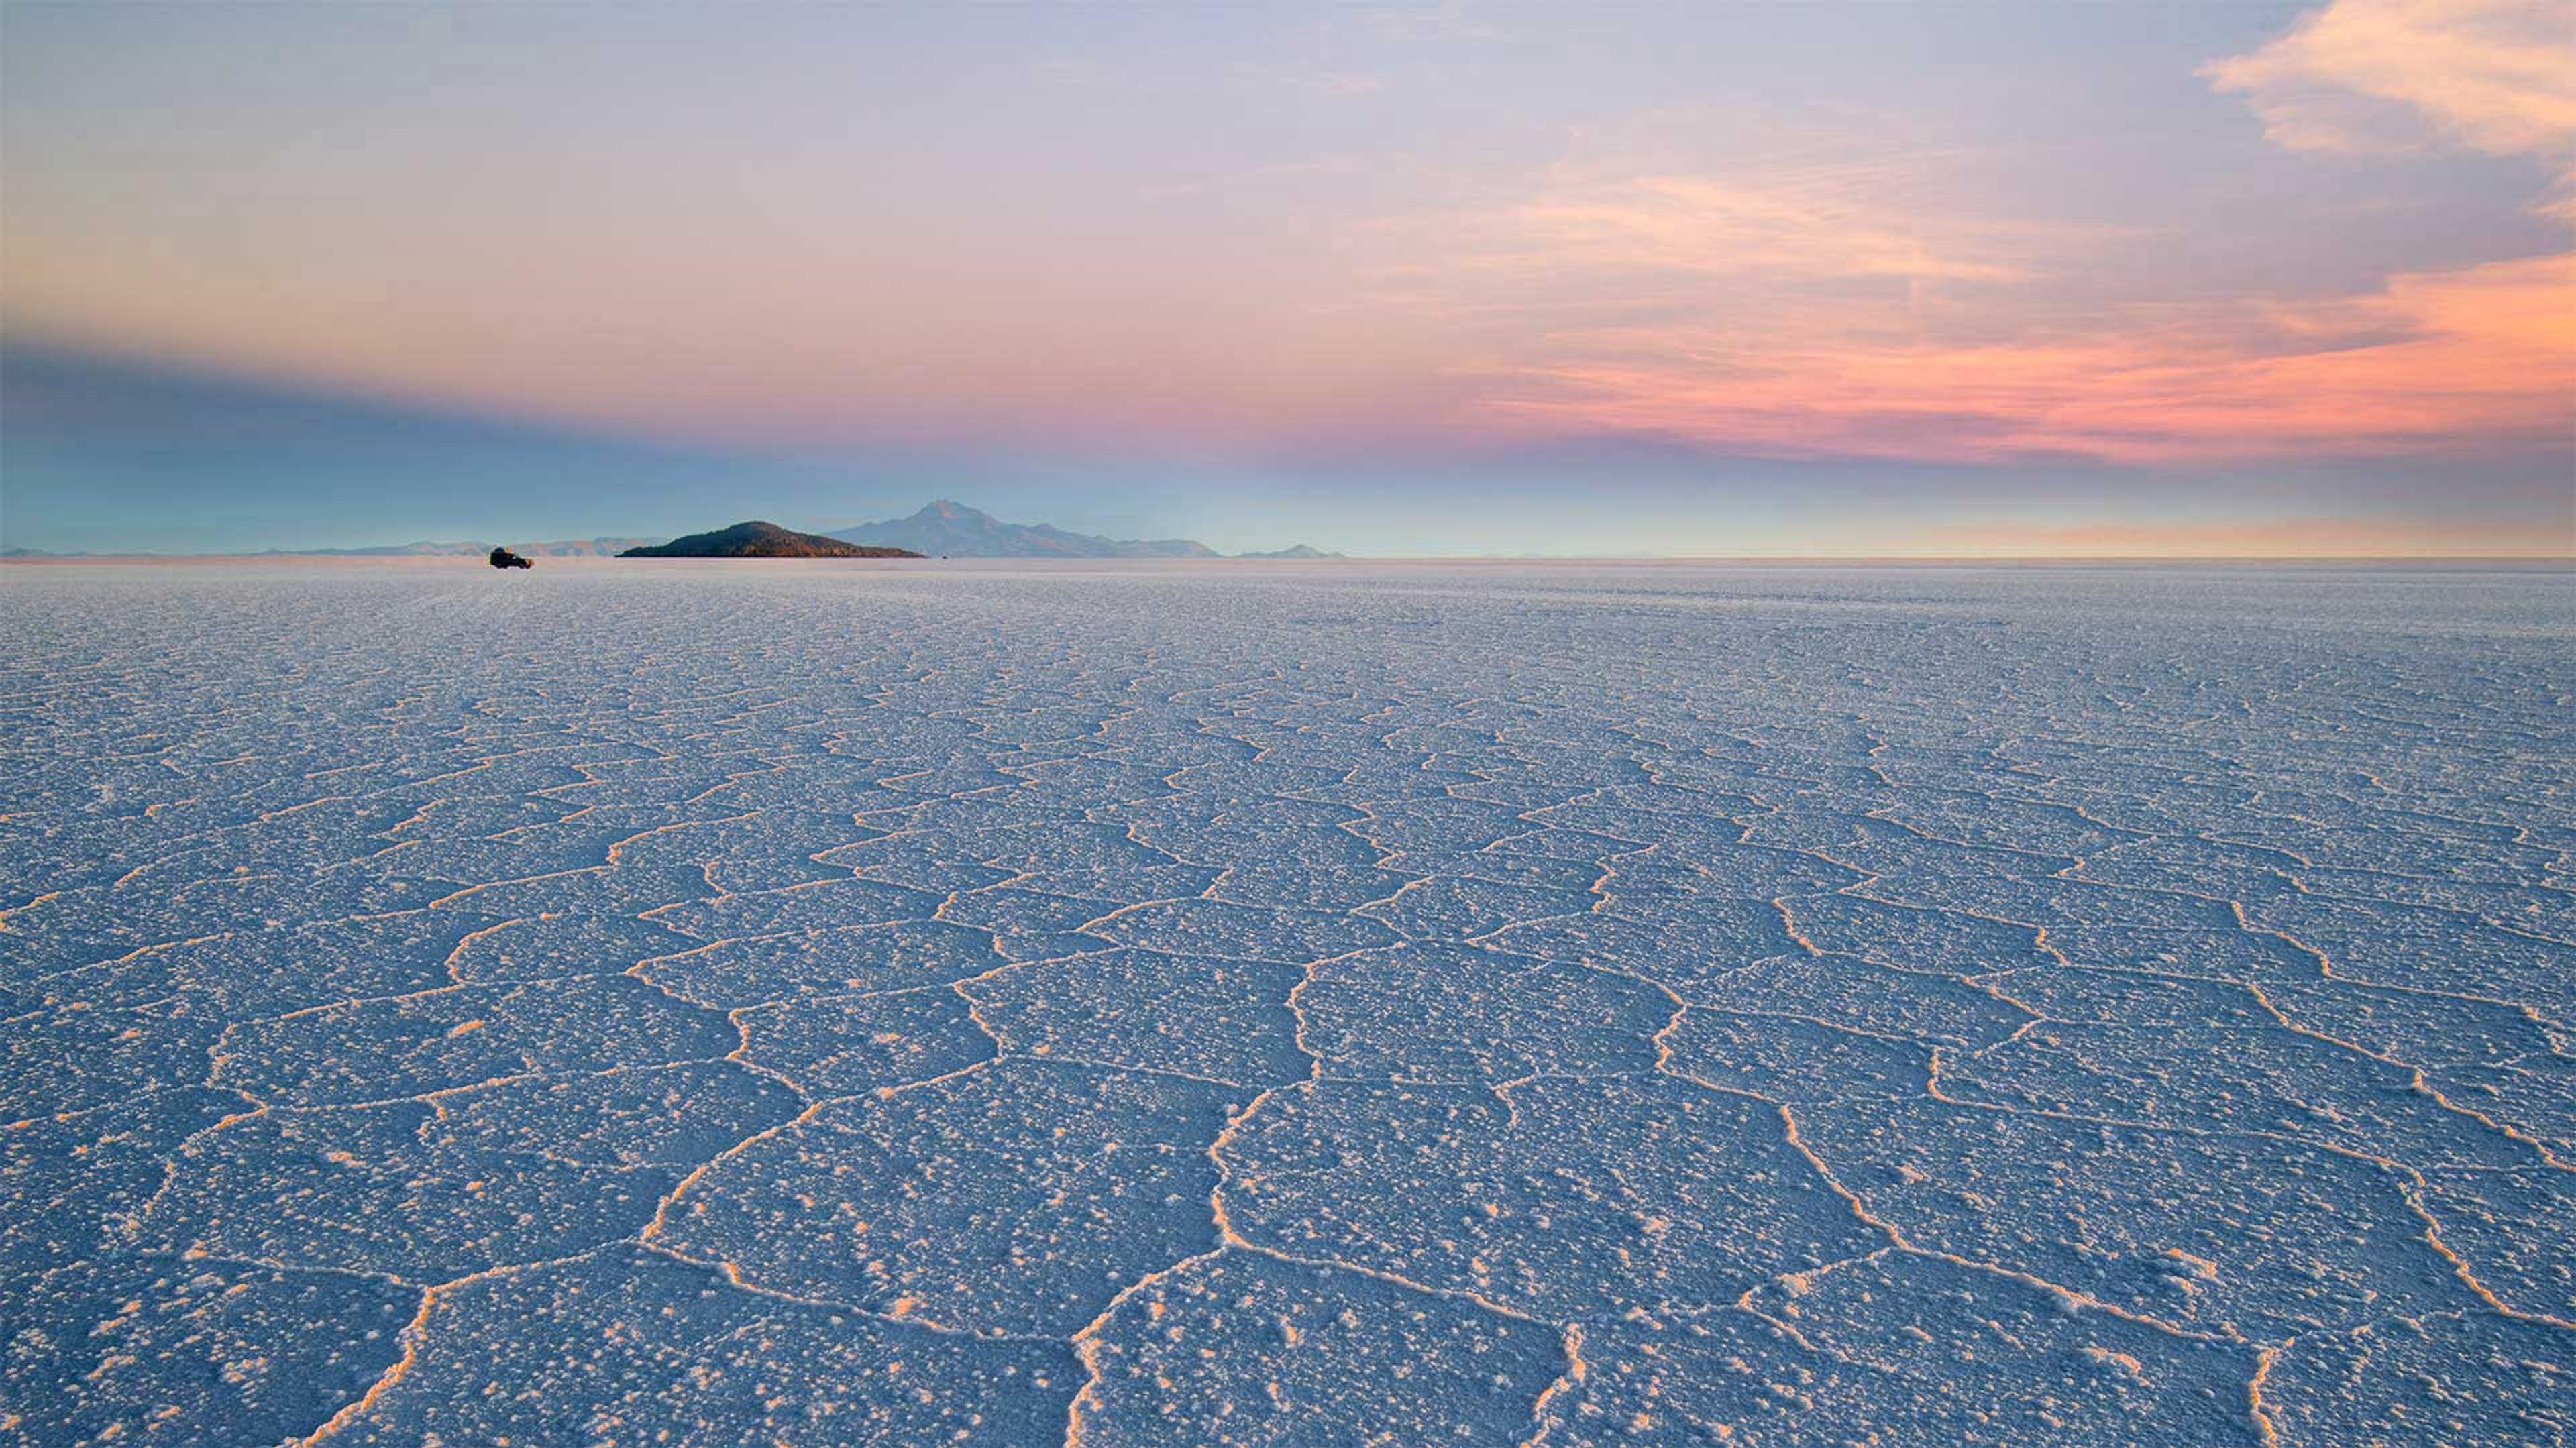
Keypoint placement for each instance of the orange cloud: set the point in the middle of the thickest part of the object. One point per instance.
(2483, 355)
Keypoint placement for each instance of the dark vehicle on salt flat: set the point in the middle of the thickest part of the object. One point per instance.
(504, 558)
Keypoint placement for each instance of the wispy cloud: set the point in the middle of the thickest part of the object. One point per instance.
(1611, 232)
(1823, 224)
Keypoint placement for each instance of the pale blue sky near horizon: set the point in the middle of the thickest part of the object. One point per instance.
(1694, 279)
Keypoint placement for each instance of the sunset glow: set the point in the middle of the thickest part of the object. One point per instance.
(2308, 265)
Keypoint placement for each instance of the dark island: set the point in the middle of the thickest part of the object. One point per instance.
(504, 558)
(763, 540)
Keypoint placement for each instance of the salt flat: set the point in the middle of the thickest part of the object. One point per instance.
(1332, 1004)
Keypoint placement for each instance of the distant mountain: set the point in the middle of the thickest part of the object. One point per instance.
(762, 540)
(954, 530)
(1293, 550)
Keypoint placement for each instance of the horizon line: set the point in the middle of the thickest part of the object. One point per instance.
(331, 556)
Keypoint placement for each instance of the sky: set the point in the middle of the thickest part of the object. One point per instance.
(1707, 279)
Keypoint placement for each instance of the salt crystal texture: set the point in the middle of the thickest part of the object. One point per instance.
(1337, 1004)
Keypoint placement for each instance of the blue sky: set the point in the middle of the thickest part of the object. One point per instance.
(1803, 279)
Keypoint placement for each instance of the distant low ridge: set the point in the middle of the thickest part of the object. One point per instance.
(561, 548)
(762, 540)
(580, 547)
(953, 530)
(1293, 550)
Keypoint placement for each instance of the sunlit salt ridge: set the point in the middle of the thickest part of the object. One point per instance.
(1323, 1004)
